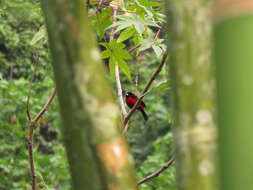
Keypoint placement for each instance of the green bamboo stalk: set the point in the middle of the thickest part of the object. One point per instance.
(96, 150)
(193, 86)
(234, 61)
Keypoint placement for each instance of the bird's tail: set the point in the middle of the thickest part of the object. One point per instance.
(144, 115)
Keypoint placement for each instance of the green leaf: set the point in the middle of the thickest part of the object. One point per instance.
(146, 44)
(120, 25)
(117, 54)
(158, 51)
(126, 34)
(137, 39)
(161, 87)
(145, 8)
(123, 54)
(104, 44)
(125, 69)
(41, 34)
(106, 54)
(114, 45)
(101, 21)
(123, 26)
(128, 20)
(112, 63)
(151, 23)
(139, 27)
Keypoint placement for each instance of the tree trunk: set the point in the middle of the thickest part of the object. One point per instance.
(233, 37)
(193, 86)
(96, 150)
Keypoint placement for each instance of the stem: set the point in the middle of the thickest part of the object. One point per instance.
(32, 127)
(45, 107)
(117, 74)
(153, 77)
(158, 172)
(119, 89)
(31, 158)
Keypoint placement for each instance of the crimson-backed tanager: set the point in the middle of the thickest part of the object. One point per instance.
(131, 99)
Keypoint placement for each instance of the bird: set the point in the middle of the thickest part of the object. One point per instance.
(131, 99)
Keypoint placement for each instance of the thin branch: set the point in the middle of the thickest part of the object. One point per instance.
(157, 173)
(133, 48)
(117, 74)
(99, 6)
(36, 61)
(31, 159)
(45, 107)
(32, 127)
(153, 77)
(115, 9)
(119, 89)
(157, 34)
(27, 106)
(136, 81)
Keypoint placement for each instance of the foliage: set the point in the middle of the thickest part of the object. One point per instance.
(26, 71)
(19, 21)
(50, 156)
(165, 180)
(24, 65)
(117, 55)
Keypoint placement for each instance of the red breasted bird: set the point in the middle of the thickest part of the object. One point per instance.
(131, 99)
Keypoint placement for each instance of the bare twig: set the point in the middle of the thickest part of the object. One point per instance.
(133, 48)
(45, 107)
(99, 6)
(155, 74)
(27, 106)
(157, 34)
(32, 127)
(119, 89)
(36, 61)
(136, 82)
(114, 9)
(117, 74)
(31, 158)
(157, 173)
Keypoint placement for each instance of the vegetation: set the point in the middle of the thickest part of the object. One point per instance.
(26, 72)
(47, 142)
